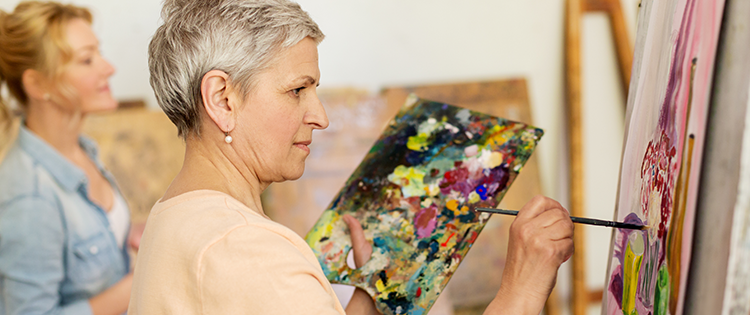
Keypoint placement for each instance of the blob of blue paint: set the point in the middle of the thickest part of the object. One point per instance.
(482, 192)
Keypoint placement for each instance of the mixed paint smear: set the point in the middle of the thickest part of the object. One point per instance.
(662, 155)
(415, 194)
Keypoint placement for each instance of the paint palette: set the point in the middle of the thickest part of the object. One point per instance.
(414, 194)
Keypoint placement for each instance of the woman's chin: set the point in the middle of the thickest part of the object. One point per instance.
(294, 174)
(105, 106)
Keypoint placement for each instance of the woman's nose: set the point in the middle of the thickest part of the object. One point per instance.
(317, 114)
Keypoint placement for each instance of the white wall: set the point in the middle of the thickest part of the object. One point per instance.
(603, 113)
(373, 44)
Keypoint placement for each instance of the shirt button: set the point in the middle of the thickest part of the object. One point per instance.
(93, 250)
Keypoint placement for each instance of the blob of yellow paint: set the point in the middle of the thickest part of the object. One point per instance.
(452, 205)
(379, 285)
(419, 142)
(410, 179)
(474, 197)
(631, 269)
(494, 160)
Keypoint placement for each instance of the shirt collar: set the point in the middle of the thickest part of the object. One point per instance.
(67, 174)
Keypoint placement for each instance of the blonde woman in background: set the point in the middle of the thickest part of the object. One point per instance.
(63, 223)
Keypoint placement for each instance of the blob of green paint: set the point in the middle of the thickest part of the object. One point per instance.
(661, 300)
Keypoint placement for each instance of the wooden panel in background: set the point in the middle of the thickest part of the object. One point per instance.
(142, 150)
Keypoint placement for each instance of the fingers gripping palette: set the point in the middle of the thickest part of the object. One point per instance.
(415, 194)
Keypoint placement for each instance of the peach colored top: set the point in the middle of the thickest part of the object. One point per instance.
(204, 252)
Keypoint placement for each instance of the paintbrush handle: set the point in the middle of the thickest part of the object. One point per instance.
(588, 221)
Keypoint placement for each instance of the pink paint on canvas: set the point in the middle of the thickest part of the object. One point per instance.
(668, 103)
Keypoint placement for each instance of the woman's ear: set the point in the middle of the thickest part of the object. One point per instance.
(35, 85)
(216, 93)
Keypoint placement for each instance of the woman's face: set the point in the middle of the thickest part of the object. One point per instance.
(276, 120)
(88, 72)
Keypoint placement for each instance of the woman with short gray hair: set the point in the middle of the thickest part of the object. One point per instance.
(238, 78)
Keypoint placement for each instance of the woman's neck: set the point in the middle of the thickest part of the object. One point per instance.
(57, 127)
(209, 167)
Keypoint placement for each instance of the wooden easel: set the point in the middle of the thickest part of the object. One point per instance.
(574, 10)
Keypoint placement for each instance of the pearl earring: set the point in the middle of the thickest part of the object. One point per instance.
(227, 137)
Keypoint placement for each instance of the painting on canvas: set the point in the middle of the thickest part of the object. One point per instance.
(415, 194)
(667, 108)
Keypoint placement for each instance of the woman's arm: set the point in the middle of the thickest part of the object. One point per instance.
(541, 239)
(114, 300)
(31, 240)
(31, 263)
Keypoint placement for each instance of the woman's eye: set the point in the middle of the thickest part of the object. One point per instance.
(297, 90)
(87, 61)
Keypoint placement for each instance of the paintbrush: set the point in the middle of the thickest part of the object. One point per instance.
(588, 221)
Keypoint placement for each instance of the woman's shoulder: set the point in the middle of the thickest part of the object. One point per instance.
(26, 204)
(19, 177)
(220, 218)
(209, 206)
(195, 219)
(203, 226)
(32, 168)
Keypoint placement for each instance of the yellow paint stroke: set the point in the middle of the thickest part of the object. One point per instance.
(326, 230)
(419, 142)
(474, 197)
(631, 269)
(410, 179)
(452, 205)
(491, 159)
(379, 285)
(674, 239)
(432, 190)
(427, 202)
(498, 136)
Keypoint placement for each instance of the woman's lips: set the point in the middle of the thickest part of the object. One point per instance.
(303, 145)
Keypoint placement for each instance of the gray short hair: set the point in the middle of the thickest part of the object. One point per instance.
(240, 37)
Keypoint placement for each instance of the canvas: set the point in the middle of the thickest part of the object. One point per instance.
(414, 193)
(667, 106)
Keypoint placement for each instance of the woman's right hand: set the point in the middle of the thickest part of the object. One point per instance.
(541, 239)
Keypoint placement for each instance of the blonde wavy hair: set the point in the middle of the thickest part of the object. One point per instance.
(32, 37)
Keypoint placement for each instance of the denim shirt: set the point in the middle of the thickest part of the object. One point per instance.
(56, 247)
